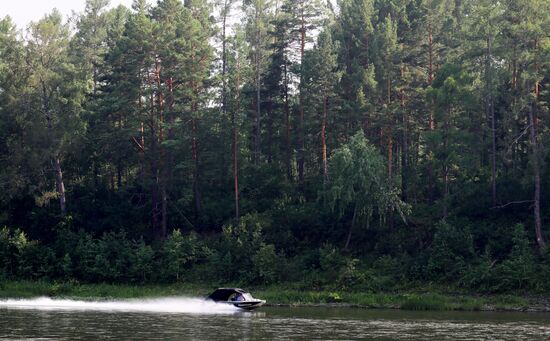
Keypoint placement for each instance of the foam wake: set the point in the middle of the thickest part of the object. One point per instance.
(157, 305)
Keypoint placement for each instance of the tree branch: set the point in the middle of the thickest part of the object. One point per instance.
(138, 144)
(519, 136)
(511, 203)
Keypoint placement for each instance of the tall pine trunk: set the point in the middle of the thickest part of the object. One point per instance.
(225, 13)
(195, 155)
(236, 146)
(194, 140)
(287, 123)
(536, 174)
(60, 186)
(153, 161)
(536, 169)
(301, 136)
(257, 127)
(431, 122)
(491, 113)
(405, 141)
(324, 139)
(162, 173)
(446, 164)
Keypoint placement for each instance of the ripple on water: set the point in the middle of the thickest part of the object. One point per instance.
(173, 322)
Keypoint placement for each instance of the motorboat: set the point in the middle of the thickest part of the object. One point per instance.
(237, 297)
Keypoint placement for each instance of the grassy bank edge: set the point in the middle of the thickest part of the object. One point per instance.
(278, 295)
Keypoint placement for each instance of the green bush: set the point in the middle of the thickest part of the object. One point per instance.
(23, 258)
(517, 271)
(350, 276)
(142, 257)
(179, 252)
(239, 243)
(5, 253)
(267, 264)
(331, 262)
(451, 252)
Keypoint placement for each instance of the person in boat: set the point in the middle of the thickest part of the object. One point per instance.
(238, 297)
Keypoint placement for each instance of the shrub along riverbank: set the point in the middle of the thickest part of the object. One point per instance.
(253, 253)
(279, 296)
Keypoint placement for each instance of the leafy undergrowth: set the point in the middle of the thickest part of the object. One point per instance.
(275, 295)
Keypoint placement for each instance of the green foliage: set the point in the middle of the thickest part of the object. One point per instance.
(179, 252)
(112, 257)
(24, 258)
(5, 253)
(517, 271)
(452, 251)
(358, 181)
(421, 107)
(243, 254)
(141, 261)
(267, 264)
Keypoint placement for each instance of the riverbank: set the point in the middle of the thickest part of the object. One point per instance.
(278, 296)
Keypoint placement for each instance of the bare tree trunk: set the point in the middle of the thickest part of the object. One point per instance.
(195, 155)
(194, 140)
(153, 161)
(404, 142)
(142, 151)
(301, 148)
(225, 13)
(236, 172)
(446, 165)
(390, 156)
(287, 122)
(236, 146)
(491, 114)
(390, 133)
(257, 132)
(119, 171)
(269, 124)
(162, 162)
(431, 122)
(141, 142)
(536, 172)
(390, 142)
(514, 70)
(60, 185)
(348, 239)
(324, 140)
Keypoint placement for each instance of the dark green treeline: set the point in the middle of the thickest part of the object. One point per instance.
(361, 144)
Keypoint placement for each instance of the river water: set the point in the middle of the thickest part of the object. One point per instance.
(193, 319)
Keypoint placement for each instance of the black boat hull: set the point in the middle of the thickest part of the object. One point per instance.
(246, 305)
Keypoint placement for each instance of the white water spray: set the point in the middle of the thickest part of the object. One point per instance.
(158, 305)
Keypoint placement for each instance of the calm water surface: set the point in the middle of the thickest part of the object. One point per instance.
(174, 319)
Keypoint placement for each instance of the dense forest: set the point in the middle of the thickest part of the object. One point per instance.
(357, 144)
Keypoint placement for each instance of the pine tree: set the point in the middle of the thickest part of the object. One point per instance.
(355, 34)
(321, 78)
(304, 17)
(259, 13)
(17, 161)
(55, 92)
